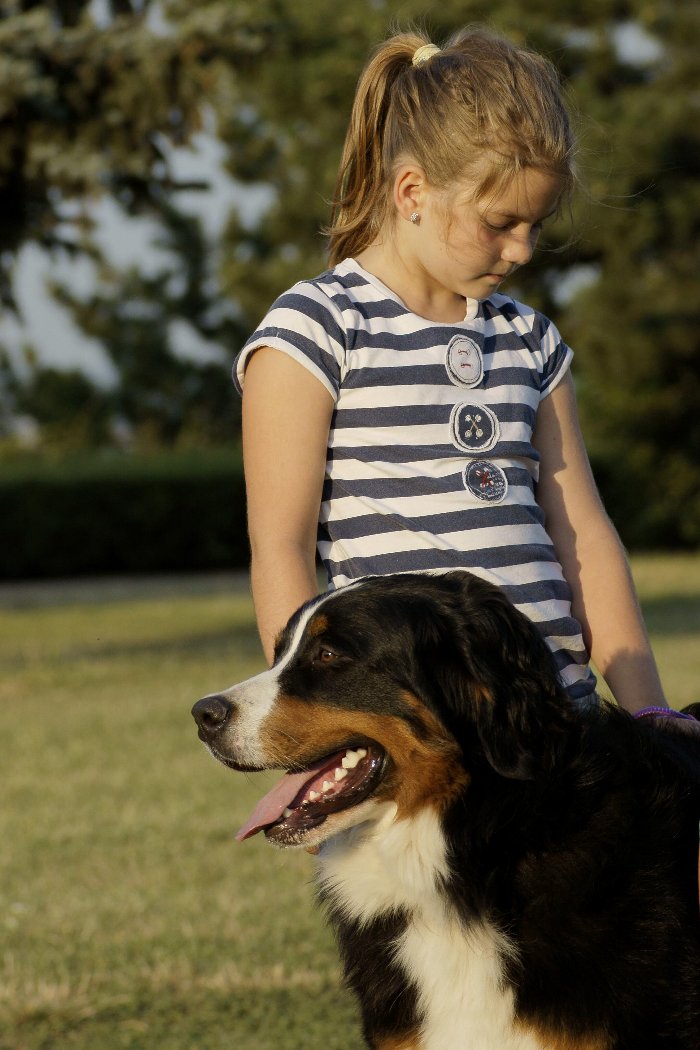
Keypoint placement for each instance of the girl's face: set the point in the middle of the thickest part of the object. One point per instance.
(482, 242)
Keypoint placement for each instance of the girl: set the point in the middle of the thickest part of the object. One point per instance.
(404, 413)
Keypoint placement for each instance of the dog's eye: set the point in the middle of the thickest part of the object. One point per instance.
(325, 656)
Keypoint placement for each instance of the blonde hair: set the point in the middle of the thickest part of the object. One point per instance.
(475, 112)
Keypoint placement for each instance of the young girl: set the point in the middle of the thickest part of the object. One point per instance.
(404, 413)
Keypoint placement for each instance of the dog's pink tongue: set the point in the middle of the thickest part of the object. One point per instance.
(271, 807)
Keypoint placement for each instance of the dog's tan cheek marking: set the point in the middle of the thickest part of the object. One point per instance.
(426, 771)
(565, 1041)
(432, 773)
(407, 1041)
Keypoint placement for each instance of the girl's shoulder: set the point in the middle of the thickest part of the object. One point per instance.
(517, 313)
(345, 275)
(536, 328)
(350, 295)
(336, 290)
(313, 321)
(538, 336)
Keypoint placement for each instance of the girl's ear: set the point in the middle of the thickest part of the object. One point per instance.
(409, 189)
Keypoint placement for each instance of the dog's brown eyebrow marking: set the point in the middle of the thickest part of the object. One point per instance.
(317, 625)
(427, 770)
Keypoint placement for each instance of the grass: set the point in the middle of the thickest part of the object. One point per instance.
(129, 918)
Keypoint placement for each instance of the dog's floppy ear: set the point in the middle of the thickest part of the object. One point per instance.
(507, 686)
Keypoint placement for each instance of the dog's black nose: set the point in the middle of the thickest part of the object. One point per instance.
(211, 713)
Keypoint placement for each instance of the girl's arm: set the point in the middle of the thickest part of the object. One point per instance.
(286, 419)
(592, 557)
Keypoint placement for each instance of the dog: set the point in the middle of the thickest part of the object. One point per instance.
(504, 869)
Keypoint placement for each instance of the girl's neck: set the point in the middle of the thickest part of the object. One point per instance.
(389, 266)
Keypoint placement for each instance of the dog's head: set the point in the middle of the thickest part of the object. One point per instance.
(391, 690)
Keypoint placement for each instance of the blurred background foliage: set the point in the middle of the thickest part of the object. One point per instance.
(96, 99)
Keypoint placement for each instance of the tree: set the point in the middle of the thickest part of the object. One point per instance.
(87, 108)
(637, 329)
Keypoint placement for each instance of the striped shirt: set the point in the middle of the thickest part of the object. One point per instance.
(430, 461)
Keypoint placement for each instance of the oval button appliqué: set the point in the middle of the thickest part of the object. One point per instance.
(486, 481)
(474, 427)
(464, 361)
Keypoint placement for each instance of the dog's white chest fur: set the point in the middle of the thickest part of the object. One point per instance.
(457, 971)
(461, 990)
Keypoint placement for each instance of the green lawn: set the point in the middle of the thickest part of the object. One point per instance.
(128, 915)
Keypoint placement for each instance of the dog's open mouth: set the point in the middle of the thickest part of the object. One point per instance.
(302, 801)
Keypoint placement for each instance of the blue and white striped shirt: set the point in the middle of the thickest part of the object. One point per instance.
(430, 458)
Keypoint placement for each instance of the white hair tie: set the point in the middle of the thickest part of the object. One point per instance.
(422, 54)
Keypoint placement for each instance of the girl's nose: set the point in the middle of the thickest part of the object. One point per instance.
(518, 248)
(520, 242)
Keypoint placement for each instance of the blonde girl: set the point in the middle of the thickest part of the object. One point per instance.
(401, 412)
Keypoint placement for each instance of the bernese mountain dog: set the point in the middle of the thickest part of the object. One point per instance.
(504, 869)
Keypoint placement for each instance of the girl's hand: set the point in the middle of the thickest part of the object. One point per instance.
(677, 721)
(691, 727)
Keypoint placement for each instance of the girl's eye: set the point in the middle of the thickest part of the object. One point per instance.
(535, 229)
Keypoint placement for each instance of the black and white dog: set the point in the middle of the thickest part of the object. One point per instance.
(503, 871)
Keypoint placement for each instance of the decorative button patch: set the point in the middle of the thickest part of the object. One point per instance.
(486, 481)
(474, 427)
(464, 363)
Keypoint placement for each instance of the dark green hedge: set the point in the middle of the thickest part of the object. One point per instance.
(181, 512)
(123, 514)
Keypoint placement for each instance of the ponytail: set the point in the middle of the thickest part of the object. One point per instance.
(362, 197)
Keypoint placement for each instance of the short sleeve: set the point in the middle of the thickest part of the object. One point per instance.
(556, 357)
(305, 324)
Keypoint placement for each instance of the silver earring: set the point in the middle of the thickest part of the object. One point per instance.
(413, 217)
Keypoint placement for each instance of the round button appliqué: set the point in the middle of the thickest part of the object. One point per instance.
(474, 427)
(486, 481)
(464, 362)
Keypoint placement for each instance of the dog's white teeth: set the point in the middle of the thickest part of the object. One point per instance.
(287, 812)
(340, 774)
(313, 795)
(326, 785)
(352, 758)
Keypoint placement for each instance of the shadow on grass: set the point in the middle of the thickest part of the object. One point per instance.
(244, 639)
(672, 614)
(98, 590)
(258, 1019)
